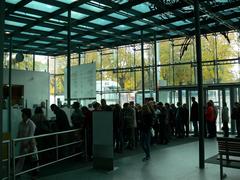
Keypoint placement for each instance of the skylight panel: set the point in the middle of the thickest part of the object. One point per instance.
(28, 14)
(89, 37)
(65, 33)
(75, 15)
(101, 22)
(140, 23)
(67, 1)
(41, 28)
(13, 23)
(118, 16)
(122, 27)
(143, 8)
(41, 6)
(13, 1)
(91, 8)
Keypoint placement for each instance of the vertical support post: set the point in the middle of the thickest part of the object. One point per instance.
(142, 68)
(134, 62)
(200, 86)
(101, 72)
(155, 69)
(48, 65)
(216, 75)
(54, 76)
(2, 7)
(117, 62)
(34, 63)
(79, 56)
(116, 56)
(180, 95)
(173, 62)
(69, 59)
(187, 98)
(10, 88)
(232, 101)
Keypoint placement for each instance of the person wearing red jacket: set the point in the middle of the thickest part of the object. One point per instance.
(211, 120)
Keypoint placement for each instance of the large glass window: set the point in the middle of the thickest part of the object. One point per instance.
(208, 47)
(41, 63)
(59, 88)
(26, 64)
(183, 75)
(229, 73)
(61, 64)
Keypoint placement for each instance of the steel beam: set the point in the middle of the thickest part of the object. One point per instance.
(142, 69)
(200, 86)
(2, 7)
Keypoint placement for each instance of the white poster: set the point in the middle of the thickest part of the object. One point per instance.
(83, 81)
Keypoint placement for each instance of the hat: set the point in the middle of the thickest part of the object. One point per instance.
(27, 112)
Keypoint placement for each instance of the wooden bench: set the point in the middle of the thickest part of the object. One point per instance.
(229, 153)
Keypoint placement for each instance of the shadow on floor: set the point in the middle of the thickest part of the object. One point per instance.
(78, 163)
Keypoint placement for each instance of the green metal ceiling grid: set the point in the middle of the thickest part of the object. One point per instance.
(40, 26)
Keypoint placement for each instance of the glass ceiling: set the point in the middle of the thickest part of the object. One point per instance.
(41, 26)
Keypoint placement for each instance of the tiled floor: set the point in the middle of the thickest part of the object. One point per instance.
(173, 163)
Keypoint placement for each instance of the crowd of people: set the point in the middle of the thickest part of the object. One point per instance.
(133, 124)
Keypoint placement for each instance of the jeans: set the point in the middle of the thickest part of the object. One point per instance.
(145, 140)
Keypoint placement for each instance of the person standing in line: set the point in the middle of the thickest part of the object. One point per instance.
(225, 119)
(118, 126)
(179, 121)
(146, 125)
(185, 118)
(27, 129)
(61, 118)
(42, 127)
(132, 105)
(88, 125)
(194, 116)
(77, 116)
(62, 124)
(128, 118)
(236, 116)
(210, 118)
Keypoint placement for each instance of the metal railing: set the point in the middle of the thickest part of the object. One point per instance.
(56, 148)
(8, 159)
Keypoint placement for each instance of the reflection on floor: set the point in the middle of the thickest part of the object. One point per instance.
(172, 162)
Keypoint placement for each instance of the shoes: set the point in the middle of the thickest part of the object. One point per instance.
(146, 158)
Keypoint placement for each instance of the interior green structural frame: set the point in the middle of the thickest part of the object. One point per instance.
(40, 26)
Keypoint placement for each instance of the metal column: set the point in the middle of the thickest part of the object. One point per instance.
(79, 56)
(142, 68)
(10, 88)
(2, 3)
(69, 59)
(200, 86)
(134, 62)
(232, 101)
(101, 92)
(155, 69)
(180, 96)
(34, 64)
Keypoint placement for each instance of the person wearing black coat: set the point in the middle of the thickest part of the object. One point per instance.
(146, 125)
(194, 116)
(185, 117)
